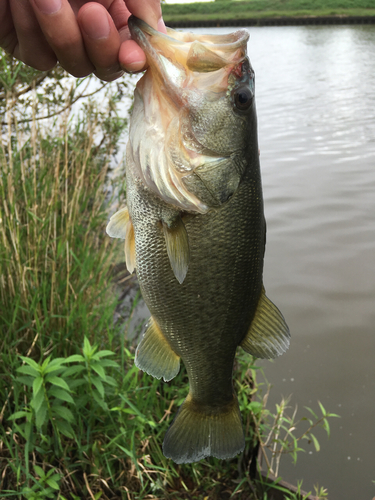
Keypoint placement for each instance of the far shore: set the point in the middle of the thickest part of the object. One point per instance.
(271, 21)
(269, 13)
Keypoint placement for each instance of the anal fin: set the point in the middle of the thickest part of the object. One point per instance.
(268, 336)
(177, 241)
(155, 356)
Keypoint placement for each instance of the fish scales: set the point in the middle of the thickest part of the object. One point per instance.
(194, 230)
(233, 237)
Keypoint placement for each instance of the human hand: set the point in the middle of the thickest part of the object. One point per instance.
(84, 36)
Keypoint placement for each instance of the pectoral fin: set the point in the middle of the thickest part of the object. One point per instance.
(177, 241)
(120, 226)
(268, 336)
(155, 356)
(129, 247)
(116, 227)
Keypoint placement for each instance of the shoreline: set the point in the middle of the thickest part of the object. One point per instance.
(272, 21)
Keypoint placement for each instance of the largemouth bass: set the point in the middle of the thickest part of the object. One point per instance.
(194, 229)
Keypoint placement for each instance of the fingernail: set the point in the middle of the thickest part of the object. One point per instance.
(134, 67)
(161, 26)
(48, 6)
(98, 28)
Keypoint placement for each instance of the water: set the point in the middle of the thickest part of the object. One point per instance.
(316, 111)
(315, 97)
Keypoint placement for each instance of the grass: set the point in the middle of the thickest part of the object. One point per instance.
(258, 9)
(78, 419)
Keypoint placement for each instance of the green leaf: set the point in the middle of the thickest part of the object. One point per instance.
(98, 384)
(100, 401)
(18, 414)
(103, 353)
(28, 370)
(99, 370)
(87, 350)
(55, 477)
(65, 428)
(109, 362)
(63, 412)
(77, 383)
(72, 370)
(45, 363)
(316, 442)
(53, 368)
(37, 385)
(111, 381)
(53, 484)
(312, 413)
(30, 362)
(60, 394)
(41, 415)
(74, 357)
(39, 471)
(36, 402)
(26, 381)
(58, 382)
(322, 409)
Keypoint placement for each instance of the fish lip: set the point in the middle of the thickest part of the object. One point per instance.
(138, 30)
(227, 42)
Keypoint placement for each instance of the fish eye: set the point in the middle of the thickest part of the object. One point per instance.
(243, 98)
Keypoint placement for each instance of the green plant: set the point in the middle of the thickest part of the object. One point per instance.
(53, 387)
(277, 433)
(45, 486)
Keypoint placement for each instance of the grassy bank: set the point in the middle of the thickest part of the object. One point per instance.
(77, 419)
(258, 9)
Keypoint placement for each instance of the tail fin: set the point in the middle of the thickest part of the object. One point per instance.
(199, 431)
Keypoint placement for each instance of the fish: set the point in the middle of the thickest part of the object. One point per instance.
(195, 230)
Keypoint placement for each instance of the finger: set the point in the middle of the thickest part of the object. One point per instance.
(149, 11)
(101, 39)
(28, 42)
(8, 35)
(131, 56)
(60, 28)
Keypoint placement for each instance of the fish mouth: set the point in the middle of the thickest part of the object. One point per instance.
(186, 74)
(184, 59)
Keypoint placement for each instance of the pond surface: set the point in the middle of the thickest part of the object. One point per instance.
(315, 92)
